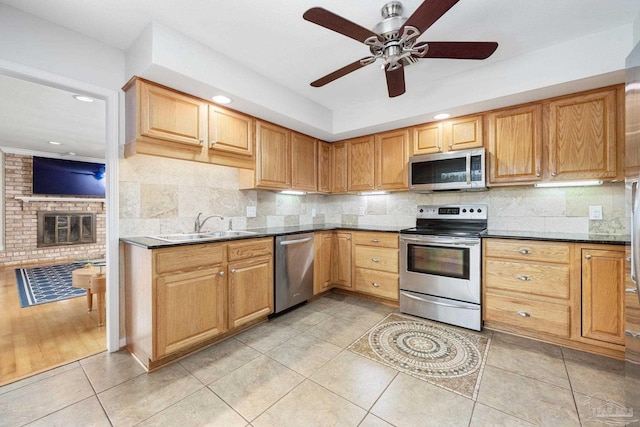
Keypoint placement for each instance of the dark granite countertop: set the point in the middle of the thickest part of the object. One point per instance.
(610, 239)
(151, 243)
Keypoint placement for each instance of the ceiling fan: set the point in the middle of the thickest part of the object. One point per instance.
(394, 41)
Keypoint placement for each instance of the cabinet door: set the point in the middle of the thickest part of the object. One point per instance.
(515, 145)
(603, 285)
(339, 166)
(427, 138)
(230, 132)
(172, 116)
(341, 260)
(324, 167)
(323, 245)
(304, 164)
(463, 133)
(190, 308)
(391, 160)
(273, 165)
(250, 290)
(361, 164)
(582, 136)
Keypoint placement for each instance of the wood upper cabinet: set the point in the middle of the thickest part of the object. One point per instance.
(170, 116)
(304, 162)
(341, 260)
(456, 134)
(391, 157)
(339, 167)
(603, 298)
(582, 136)
(360, 173)
(273, 162)
(515, 144)
(230, 132)
(324, 167)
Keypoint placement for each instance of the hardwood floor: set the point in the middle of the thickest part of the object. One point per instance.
(41, 337)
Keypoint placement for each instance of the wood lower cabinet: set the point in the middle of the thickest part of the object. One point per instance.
(341, 260)
(375, 260)
(178, 299)
(570, 294)
(322, 265)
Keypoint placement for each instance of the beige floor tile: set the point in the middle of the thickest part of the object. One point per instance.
(540, 361)
(266, 336)
(484, 416)
(338, 331)
(106, 370)
(38, 377)
(311, 405)
(594, 411)
(214, 362)
(355, 378)
(87, 412)
(373, 421)
(591, 374)
(357, 314)
(304, 354)
(254, 387)
(145, 395)
(203, 408)
(532, 400)
(301, 318)
(411, 402)
(36, 400)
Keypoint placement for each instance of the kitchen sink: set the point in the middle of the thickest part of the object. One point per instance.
(195, 237)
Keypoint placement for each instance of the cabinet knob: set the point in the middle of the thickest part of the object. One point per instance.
(348, 238)
(524, 251)
(554, 173)
(538, 174)
(375, 285)
(201, 140)
(524, 278)
(212, 143)
(587, 256)
(628, 259)
(221, 273)
(375, 260)
(523, 314)
(233, 270)
(375, 240)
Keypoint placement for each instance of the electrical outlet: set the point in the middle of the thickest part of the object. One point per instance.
(251, 211)
(361, 211)
(595, 213)
(313, 212)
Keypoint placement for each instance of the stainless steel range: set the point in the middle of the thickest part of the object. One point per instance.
(440, 264)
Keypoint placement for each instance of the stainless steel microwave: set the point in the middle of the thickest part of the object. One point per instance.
(454, 170)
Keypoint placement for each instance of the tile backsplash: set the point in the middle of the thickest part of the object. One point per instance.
(159, 195)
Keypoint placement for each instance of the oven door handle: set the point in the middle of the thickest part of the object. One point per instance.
(466, 307)
(442, 241)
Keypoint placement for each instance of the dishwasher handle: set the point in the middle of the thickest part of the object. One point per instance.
(293, 242)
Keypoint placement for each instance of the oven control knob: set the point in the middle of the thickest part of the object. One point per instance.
(421, 210)
(479, 210)
(464, 210)
(471, 210)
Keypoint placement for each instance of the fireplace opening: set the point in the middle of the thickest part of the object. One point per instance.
(66, 228)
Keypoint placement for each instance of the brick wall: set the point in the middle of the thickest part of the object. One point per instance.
(21, 220)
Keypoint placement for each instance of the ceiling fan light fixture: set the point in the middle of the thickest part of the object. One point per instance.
(442, 116)
(221, 99)
(83, 98)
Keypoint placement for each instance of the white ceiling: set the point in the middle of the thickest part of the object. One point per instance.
(273, 41)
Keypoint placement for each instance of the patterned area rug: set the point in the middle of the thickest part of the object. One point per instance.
(441, 355)
(49, 283)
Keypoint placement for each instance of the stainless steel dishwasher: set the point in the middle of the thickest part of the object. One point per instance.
(294, 270)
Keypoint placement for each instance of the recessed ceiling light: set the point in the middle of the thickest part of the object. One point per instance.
(71, 153)
(83, 98)
(221, 99)
(55, 143)
(442, 116)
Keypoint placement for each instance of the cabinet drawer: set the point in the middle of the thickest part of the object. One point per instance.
(378, 283)
(250, 249)
(553, 319)
(188, 257)
(382, 240)
(376, 258)
(527, 250)
(526, 277)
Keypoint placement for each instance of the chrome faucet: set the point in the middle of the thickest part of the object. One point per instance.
(198, 225)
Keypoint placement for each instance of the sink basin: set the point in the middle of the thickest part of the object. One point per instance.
(194, 237)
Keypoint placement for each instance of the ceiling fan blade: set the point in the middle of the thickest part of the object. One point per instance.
(395, 82)
(336, 23)
(428, 13)
(339, 73)
(458, 50)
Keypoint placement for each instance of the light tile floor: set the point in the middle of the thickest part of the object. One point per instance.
(296, 371)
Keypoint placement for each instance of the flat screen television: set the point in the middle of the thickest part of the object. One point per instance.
(67, 177)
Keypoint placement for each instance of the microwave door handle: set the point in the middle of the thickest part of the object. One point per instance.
(468, 169)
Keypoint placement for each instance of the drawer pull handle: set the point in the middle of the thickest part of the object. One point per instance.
(587, 256)
(631, 290)
(632, 334)
(376, 285)
(524, 251)
(375, 260)
(523, 314)
(375, 240)
(524, 278)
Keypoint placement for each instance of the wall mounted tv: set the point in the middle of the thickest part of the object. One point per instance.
(67, 177)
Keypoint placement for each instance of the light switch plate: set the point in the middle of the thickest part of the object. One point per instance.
(595, 213)
(313, 212)
(361, 211)
(251, 211)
